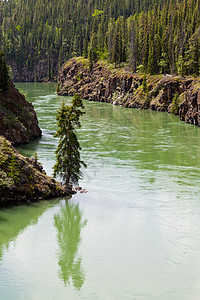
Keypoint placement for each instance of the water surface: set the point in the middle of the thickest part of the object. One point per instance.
(134, 235)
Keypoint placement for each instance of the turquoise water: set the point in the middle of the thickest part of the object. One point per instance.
(134, 235)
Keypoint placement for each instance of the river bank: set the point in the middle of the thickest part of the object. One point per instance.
(22, 179)
(120, 87)
(141, 211)
(18, 120)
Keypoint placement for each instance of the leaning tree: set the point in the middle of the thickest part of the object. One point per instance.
(68, 162)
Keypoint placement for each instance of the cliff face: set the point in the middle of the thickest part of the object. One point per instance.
(190, 109)
(18, 120)
(159, 92)
(23, 179)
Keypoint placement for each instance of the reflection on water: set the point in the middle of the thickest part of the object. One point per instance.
(142, 240)
(69, 224)
(14, 220)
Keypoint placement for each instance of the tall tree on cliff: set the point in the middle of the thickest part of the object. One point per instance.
(133, 50)
(68, 161)
(93, 51)
(116, 46)
(193, 53)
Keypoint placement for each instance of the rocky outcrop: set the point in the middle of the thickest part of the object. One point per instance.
(23, 179)
(120, 87)
(18, 120)
(190, 109)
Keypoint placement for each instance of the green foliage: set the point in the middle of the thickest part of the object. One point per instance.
(97, 13)
(68, 162)
(5, 181)
(35, 157)
(92, 49)
(144, 84)
(22, 92)
(162, 38)
(140, 69)
(175, 104)
(41, 30)
(8, 163)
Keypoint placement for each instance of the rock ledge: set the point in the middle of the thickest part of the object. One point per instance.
(23, 180)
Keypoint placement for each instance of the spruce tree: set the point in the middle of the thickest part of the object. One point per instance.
(4, 76)
(68, 161)
(193, 54)
(133, 51)
(152, 64)
(93, 52)
(116, 47)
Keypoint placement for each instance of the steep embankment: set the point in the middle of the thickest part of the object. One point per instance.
(18, 120)
(23, 179)
(120, 87)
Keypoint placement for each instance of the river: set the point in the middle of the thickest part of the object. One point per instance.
(134, 235)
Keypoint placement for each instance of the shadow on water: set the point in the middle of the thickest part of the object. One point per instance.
(14, 220)
(69, 223)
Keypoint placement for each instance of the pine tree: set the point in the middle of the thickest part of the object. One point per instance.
(116, 47)
(193, 53)
(38, 30)
(110, 34)
(152, 63)
(93, 53)
(4, 76)
(68, 161)
(133, 51)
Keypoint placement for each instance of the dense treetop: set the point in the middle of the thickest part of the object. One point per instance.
(149, 35)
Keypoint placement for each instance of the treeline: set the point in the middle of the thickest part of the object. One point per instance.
(149, 35)
(163, 40)
(54, 31)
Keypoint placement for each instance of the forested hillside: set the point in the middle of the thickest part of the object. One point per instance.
(37, 36)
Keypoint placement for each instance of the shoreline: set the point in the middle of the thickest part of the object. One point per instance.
(173, 94)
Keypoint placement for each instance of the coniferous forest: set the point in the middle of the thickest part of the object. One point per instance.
(150, 36)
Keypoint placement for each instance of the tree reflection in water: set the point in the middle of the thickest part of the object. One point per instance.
(69, 224)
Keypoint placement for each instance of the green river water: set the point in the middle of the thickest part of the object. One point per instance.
(134, 235)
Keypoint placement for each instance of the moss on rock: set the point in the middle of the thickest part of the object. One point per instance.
(23, 179)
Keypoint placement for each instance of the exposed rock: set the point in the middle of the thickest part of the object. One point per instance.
(18, 120)
(190, 108)
(23, 179)
(123, 88)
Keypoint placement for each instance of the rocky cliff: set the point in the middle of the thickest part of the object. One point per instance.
(23, 179)
(18, 120)
(120, 87)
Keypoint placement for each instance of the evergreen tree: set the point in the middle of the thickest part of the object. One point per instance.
(93, 51)
(110, 34)
(4, 77)
(68, 162)
(133, 51)
(116, 46)
(193, 53)
(165, 34)
(152, 63)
